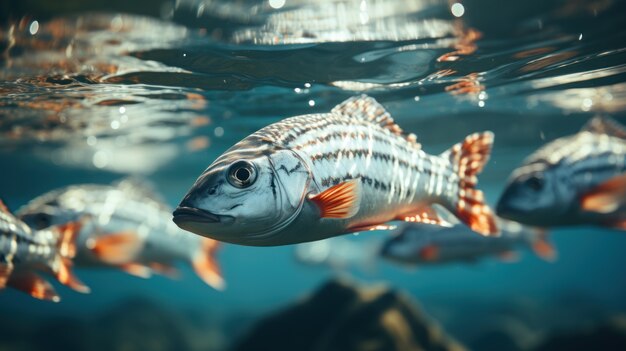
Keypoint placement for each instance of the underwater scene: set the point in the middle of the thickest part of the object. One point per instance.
(312, 175)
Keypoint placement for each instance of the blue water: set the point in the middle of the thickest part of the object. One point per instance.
(92, 97)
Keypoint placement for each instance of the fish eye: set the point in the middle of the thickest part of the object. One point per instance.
(241, 174)
(535, 182)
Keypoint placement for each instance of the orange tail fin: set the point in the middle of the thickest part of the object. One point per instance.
(34, 285)
(206, 266)
(468, 158)
(116, 248)
(65, 275)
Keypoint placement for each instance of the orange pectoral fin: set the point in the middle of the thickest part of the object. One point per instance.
(136, 269)
(206, 266)
(606, 197)
(424, 214)
(543, 248)
(34, 285)
(116, 248)
(429, 253)
(340, 201)
(66, 276)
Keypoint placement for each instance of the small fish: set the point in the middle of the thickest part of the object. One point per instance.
(574, 180)
(129, 227)
(23, 251)
(426, 244)
(338, 253)
(316, 176)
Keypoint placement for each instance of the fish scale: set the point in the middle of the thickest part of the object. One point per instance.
(328, 174)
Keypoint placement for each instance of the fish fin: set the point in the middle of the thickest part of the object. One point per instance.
(136, 269)
(206, 266)
(424, 214)
(509, 256)
(4, 208)
(606, 197)
(543, 248)
(468, 159)
(340, 201)
(429, 253)
(68, 233)
(367, 108)
(605, 125)
(66, 276)
(115, 248)
(34, 285)
(165, 270)
(368, 227)
(5, 273)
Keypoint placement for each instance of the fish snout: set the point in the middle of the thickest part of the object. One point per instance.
(187, 213)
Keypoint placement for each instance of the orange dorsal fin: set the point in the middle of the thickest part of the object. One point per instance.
(136, 269)
(367, 108)
(206, 266)
(340, 201)
(468, 159)
(34, 285)
(116, 248)
(543, 248)
(429, 253)
(66, 276)
(606, 197)
(5, 273)
(68, 233)
(424, 214)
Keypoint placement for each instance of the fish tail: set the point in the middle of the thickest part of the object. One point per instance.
(468, 160)
(65, 275)
(206, 266)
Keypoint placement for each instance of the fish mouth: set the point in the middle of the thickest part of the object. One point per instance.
(184, 214)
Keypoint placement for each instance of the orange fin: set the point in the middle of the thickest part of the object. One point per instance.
(116, 248)
(5, 273)
(368, 227)
(34, 285)
(165, 270)
(66, 276)
(340, 201)
(606, 197)
(68, 233)
(206, 266)
(543, 248)
(424, 214)
(509, 256)
(4, 207)
(136, 269)
(468, 159)
(429, 253)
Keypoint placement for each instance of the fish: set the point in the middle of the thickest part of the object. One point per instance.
(339, 253)
(421, 244)
(128, 227)
(24, 252)
(316, 176)
(575, 180)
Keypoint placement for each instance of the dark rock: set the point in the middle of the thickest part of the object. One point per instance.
(608, 337)
(340, 316)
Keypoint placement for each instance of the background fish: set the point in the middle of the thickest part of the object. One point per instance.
(424, 244)
(23, 251)
(129, 227)
(339, 253)
(574, 180)
(316, 176)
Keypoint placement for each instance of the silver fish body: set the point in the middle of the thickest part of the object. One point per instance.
(127, 226)
(416, 244)
(574, 180)
(316, 176)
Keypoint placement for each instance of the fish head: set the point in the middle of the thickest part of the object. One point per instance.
(246, 198)
(45, 212)
(537, 194)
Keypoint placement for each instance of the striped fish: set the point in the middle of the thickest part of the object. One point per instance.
(427, 244)
(316, 176)
(574, 180)
(128, 226)
(24, 251)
